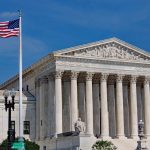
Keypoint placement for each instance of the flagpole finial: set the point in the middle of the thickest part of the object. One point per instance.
(19, 11)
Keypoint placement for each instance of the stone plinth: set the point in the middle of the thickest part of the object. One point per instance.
(72, 142)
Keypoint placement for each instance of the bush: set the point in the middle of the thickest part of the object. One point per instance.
(28, 145)
(104, 145)
(31, 145)
(3, 145)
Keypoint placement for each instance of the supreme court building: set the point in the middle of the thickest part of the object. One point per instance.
(105, 83)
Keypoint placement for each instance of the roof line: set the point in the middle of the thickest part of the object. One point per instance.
(101, 42)
(45, 58)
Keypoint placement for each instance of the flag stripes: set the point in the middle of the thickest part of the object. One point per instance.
(9, 28)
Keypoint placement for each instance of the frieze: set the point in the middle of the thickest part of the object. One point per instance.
(121, 68)
(69, 61)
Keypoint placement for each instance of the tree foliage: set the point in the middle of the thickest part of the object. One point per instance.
(28, 145)
(104, 145)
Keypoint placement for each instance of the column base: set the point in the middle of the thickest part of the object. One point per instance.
(41, 138)
(55, 135)
(147, 136)
(135, 137)
(37, 139)
(121, 137)
(105, 137)
(49, 137)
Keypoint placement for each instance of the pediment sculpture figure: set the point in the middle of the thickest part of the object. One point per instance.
(79, 126)
(112, 52)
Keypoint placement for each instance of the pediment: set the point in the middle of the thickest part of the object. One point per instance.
(111, 49)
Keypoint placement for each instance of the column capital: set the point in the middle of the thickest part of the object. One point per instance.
(133, 78)
(119, 77)
(104, 76)
(89, 76)
(37, 82)
(74, 75)
(50, 77)
(58, 74)
(146, 79)
(43, 80)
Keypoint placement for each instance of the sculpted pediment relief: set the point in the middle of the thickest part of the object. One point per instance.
(111, 51)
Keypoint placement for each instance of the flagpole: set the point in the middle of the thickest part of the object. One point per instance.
(20, 78)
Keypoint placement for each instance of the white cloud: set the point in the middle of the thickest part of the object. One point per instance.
(31, 46)
(8, 14)
(102, 17)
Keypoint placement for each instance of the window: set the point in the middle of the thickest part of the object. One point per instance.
(13, 125)
(26, 127)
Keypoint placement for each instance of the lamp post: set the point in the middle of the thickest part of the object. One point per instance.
(9, 104)
(141, 129)
(142, 142)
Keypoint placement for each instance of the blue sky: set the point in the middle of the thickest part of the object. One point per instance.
(50, 25)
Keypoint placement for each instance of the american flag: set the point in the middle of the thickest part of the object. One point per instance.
(9, 28)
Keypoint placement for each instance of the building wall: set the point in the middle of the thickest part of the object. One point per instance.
(28, 115)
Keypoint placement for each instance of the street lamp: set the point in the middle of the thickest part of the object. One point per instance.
(9, 104)
(141, 129)
(142, 143)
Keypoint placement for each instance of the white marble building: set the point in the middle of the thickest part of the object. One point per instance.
(105, 83)
(28, 115)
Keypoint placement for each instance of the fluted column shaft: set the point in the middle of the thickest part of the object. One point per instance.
(119, 107)
(104, 106)
(41, 108)
(147, 106)
(43, 120)
(50, 105)
(89, 103)
(74, 100)
(37, 84)
(133, 104)
(58, 102)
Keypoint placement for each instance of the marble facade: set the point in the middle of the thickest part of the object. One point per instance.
(110, 99)
(28, 115)
(105, 83)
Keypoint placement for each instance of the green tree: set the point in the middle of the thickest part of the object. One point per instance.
(28, 145)
(104, 145)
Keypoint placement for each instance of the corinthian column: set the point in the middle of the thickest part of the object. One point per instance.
(43, 109)
(104, 107)
(37, 94)
(147, 106)
(133, 109)
(74, 101)
(119, 107)
(58, 102)
(51, 109)
(89, 103)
